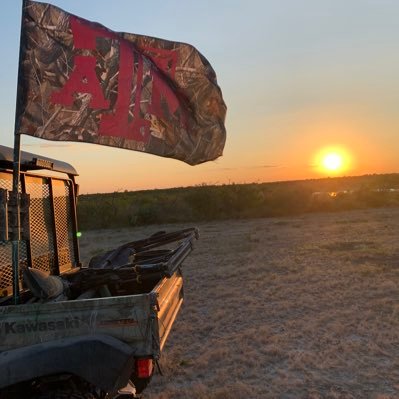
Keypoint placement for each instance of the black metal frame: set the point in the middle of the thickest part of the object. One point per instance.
(72, 218)
(73, 194)
(28, 247)
(56, 267)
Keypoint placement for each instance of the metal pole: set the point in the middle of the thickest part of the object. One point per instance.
(16, 209)
(15, 178)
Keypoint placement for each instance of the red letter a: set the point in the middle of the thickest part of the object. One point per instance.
(83, 79)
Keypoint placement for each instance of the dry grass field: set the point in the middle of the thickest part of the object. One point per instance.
(303, 307)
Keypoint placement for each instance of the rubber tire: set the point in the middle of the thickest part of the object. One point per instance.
(140, 383)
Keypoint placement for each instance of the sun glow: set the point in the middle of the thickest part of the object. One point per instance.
(333, 161)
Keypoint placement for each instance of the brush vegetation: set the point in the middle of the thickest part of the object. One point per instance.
(236, 201)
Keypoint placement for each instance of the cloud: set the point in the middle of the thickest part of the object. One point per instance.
(245, 167)
(264, 166)
(222, 169)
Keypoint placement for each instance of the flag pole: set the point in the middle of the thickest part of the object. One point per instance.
(15, 195)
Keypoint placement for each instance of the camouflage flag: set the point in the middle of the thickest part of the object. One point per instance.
(80, 81)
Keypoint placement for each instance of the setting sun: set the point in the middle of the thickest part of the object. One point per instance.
(333, 160)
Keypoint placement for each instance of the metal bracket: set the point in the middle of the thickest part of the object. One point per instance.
(9, 218)
(3, 215)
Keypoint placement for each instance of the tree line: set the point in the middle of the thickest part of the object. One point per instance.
(235, 201)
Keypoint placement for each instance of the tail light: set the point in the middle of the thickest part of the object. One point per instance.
(144, 368)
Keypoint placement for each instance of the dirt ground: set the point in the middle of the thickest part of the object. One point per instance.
(302, 307)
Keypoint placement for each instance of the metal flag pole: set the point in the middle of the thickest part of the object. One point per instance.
(15, 195)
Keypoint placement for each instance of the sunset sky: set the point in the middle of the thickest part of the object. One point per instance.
(301, 79)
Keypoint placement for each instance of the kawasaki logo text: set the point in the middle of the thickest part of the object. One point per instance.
(33, 326)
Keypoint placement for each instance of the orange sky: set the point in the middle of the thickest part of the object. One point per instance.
(282, 147)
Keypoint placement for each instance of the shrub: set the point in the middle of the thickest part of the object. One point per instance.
(204, 203)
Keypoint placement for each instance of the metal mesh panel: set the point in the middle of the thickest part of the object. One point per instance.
(63, 223)
(6, 181)
(6, 265)
(41, 223)
(6, 248)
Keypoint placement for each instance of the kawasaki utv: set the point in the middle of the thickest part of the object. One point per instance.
(75, 331)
